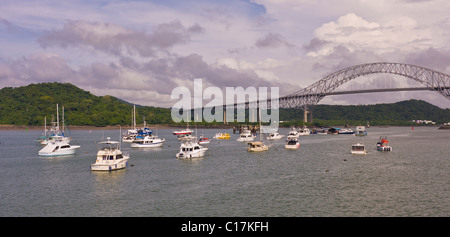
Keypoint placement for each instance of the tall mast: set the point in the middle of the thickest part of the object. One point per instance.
(64, 126)
(134, 117)
(57, 118)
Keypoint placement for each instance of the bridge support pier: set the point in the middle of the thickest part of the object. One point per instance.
(305, 115)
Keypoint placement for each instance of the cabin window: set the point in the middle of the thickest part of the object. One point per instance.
(119, 156)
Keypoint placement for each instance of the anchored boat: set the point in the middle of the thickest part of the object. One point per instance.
(358, 149)
(383, 145)
(110, 157)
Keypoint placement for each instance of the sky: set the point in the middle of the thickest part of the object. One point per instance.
(139, 51)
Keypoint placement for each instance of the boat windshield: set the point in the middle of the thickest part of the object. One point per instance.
(358, 148)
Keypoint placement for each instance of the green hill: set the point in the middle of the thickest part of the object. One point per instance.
(399, 113)
(28, 105)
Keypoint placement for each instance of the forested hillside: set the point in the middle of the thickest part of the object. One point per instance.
(28, 105)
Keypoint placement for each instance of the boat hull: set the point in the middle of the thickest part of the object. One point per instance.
(62, 152)
(359, 152)
(385, 148)
(292, 147)
(110, 167)
(190, 155)
(146, 145)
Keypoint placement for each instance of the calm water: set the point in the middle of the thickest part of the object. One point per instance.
(320, 179)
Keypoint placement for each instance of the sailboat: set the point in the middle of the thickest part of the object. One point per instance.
(258, 146)
(131, 134)
(55, 132)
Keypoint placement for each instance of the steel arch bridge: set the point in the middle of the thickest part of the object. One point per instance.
(311, 95)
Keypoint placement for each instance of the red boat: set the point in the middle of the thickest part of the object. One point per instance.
(182, 132)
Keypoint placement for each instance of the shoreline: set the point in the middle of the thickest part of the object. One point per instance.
(4, 127)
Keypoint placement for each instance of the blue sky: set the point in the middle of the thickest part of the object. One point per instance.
(140, 51)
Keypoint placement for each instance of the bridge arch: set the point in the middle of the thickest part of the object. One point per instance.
(312, 94)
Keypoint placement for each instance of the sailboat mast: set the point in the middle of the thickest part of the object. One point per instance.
(63, 124)
(57, 118)
(134, 117)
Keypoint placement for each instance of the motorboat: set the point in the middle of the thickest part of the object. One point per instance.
(183, 131)
(292, 134)
(257, 146)
(203, 140)
(148, 141)
(110, 157)
(222, 135)
(333, 131)
(191, 149)
(185, 137)
(346, 131)
(383, 145)
(246, 136)
(58, 148)
(358, 149)
(360, 131)
(292, 144)
(304, 131)
(275, 136)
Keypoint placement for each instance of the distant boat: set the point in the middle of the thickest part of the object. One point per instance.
(246, 135)
(333, 131)
(346, 131)
(258, 146)
(292, 144)
(358, 149)
(222, 136)
(58, 148)
(148, 141)
(203, 140)
(110, 157)
(383, 145)
(360, 131)
(275, 136)
(293, 133)
(55, 133)
(183, 131)
(304, 131)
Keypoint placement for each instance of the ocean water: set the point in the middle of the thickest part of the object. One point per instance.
(322, 178)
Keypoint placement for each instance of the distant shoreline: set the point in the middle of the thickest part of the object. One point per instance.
(73, 127)
(162, 126)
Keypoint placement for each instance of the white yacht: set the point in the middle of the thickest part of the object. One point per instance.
(275, 136)
(358, 149)
(148, 141)
(293, 134)
(304, 131)
(292, 144)
(110, 157)
(361, 131)
(191, 149)
(58, 148)
(246, 136)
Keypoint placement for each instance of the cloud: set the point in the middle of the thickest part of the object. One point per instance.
(117, 40)
(272, 40)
